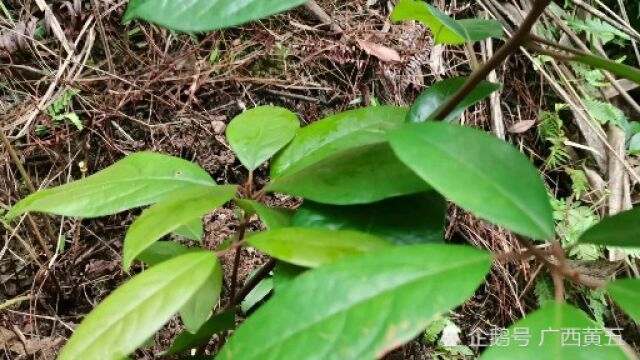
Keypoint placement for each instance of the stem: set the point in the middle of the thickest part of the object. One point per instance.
(14, 301)
(27, 179)
(254, 281)
(242, 228)
(511, 46)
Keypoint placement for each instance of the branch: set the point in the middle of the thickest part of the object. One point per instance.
(518, 39)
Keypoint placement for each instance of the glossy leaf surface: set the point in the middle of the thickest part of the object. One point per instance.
(362, 307)
(478, 172)
(310, 247)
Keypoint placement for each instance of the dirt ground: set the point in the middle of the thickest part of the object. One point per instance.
(139, 87)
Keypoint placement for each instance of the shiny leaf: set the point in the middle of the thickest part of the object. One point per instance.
(336, 133)
(162, 251)
(193, 230)
(205, 15)
(256, 295)
(356, 176)
(626, 293)
(170, 214)
(137, 180)
(428, 103)
(362, 307)
(445, 29)
(622, 229)
(411, 219)
(313, 247)
(478, 172)
(284, 273)
(257, 134)
(546, 330)
(134, 311)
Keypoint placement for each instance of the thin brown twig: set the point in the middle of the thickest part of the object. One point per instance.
(518, 39)
(254, 281)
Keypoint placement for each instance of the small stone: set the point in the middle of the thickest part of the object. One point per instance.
(218, 127)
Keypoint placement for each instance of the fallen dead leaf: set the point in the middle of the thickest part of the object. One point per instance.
(521, 126)
(380, 51)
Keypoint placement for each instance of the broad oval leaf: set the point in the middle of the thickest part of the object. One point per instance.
(410, 219)
(205, 15)
(545, 335)
(356, 176)
(622, 70)
(428, 103)
(311, 247)
(626, 293)
(136, 310)
(349, 129)
(137, 180)
(362, 307)
(622, 229)
(218, 323)
(197, 310)
(170, 214)
(257, 134)
(445, 29)
(272, 218)
(480, 173)
(284, 273)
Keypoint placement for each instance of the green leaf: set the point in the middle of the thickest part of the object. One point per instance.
(205, 15)
(136, 310)
(162, 251)
(626, 293)
(622, 70)
(428, 103)
(273, 218)
(257, 134)
(356, 176)
(310, 247)
(445, 29)
(256, 295)
(218, 323)
(362, 307)
(193, 230)
(137, 180)
(284, 273)
(172, 213)
(411, 219)
(480, 173)
(622, 229)
(550, 332)
(197, 310)
(336, 133)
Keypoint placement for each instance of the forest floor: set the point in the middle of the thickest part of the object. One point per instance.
(138, 87)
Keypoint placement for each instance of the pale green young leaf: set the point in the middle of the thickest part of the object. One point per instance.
(410, 219)
(137, 180)
(205, 15)
(622, 70)
(361, 307)
(359, 175)
(430, 100)
(445, 29)
(192, 230)
(478, 172)
(136, 310)
(310, 247)
(326, 137)
(197, 310)
(257, 134)
(626, 293)
(546, 336)
(170, 214)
